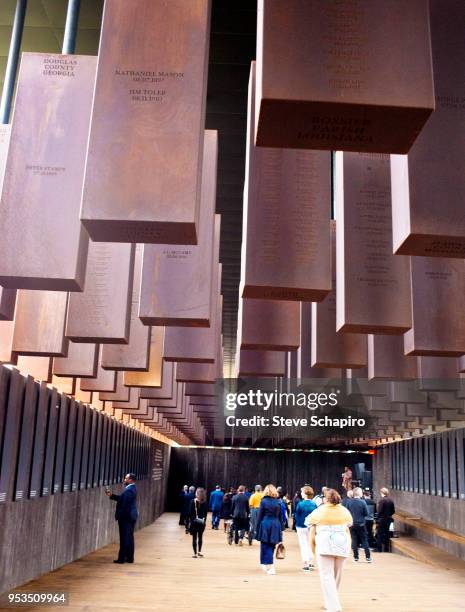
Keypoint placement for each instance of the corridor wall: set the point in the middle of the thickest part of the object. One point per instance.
(426, 477)
(57, 457)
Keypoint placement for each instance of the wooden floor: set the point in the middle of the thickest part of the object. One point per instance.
(166, 578)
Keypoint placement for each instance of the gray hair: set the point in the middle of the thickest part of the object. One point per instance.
(258, 488)
(358, 492)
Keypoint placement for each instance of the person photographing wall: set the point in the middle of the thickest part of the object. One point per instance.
(126, 514)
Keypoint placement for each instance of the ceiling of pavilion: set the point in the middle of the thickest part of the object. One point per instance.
(232, 48)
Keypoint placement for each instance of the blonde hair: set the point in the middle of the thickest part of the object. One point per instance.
(270, 491)
(332, 497)
(385, 491)
(308, 491)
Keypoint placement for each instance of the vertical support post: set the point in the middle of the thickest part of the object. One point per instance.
(71, 25)
(12, 62)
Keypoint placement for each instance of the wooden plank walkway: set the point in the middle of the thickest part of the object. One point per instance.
(165, 578)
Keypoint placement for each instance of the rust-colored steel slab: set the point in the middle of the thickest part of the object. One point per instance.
(200, 389)
(101, 313)
(176, 281)
(7, 304)
(286, 235)
(437, 374)
(40, 323)
(153, 377)
(386, 359)
(461, 364)
(269, 325)
(168, 383)
(44, 245)
(141, 410)
(343, 75)
(7, 296)
(168, 402)
(198, 344)
(85, 397)
(262, 363)
(135, 354)
(121, 394)
(81, 362)
(132, 404)
(143, 172)
(104, 381)
(405, 392)
(304, 352)
(196, 372)
(438, 287)
(6, 342)
(64, 385)
(39, 368)
(373, 285)
(428, 185)
(330, 348)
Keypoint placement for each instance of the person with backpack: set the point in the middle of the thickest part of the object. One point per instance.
(330, 541)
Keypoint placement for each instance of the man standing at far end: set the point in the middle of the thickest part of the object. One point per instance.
(216, 501)
(126, 514)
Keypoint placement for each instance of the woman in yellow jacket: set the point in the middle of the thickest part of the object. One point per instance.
(330, 541)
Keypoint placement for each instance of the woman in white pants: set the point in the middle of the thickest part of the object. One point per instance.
(330, 540)
(305, 507)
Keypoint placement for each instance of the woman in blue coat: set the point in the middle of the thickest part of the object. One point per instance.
(269, 527)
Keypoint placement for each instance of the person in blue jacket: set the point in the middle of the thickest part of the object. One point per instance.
(216, 501)
(269, 527)
(126, 514)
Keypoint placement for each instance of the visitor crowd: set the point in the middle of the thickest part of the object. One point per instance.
(327, 526)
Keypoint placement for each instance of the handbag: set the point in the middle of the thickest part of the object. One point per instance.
(280, 551)
(197, 520)
(332, 540)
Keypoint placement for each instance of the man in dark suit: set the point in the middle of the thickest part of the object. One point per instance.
(240, 514)
(126, 514)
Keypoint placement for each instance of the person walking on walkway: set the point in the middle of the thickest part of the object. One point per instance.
(320, 498)
(240, 515)
(126, 514)
(385, 512)
(330, 540)
(304, 507)
(183, 507)
(187, 501)
(198, 517)
(358, 531)
(254, 504)
(226, 508)
(347, 498)
(216, 501)
(370, 518)
(269, 527)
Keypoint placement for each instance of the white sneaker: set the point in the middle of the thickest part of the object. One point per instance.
(271, 571)
(264, 567)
